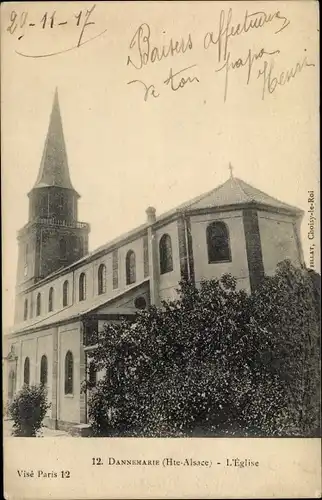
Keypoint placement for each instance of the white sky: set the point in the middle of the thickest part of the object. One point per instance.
(126, 154)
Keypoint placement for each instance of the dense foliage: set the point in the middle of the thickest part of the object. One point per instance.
(216, 361)
(28, 409)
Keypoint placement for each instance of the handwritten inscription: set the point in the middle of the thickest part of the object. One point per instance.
(271, 82)
(19, 24)
(241, 62)
(144, 52)
(175, 81)
(226, 30)
(147, 49)
(178, 81)
(149, 90)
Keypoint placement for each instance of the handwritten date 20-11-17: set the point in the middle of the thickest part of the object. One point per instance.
(21, 23)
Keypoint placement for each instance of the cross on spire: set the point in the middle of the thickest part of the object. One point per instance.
(231, 170)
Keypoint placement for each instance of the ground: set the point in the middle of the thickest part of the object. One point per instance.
(45, 432)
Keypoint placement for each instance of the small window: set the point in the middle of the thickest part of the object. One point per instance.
(25, 310)
(101, 279)
(165, 248)
(51, 300)
(43, 370)
(140, 303)
(69, 369)
(82, 287)
(65, 293)
(130, 267)
(38, 305)
(218, 243)
(26, 372)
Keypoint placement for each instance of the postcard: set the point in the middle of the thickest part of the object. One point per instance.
(161, 257)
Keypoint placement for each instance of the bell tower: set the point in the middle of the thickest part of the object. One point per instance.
(53, 237)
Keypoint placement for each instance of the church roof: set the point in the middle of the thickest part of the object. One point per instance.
(79, 309)
(230, 195)
(234, 192)
(53, 169)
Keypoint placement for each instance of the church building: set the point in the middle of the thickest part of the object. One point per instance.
(65, 295)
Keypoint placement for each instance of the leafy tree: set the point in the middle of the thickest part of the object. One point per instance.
(286, 349)
(28, 409)
(216, 361)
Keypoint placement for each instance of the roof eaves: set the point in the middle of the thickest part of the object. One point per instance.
(46, 323)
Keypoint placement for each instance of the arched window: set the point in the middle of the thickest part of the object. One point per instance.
(62, 248)
(218, 242)
(51, 300)
(69, 368)
(38, 305)
(25, 309)
(43, 370)
(26, 372)
(130, 267)
(82, 287)
(65, 293)
(101, 279)
(165, 248)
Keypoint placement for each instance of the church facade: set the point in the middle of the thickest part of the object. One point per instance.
(65, 295)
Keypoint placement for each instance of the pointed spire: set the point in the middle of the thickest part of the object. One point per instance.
(53, 169)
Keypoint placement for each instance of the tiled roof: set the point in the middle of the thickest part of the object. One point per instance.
(76, 310)
(234, 192)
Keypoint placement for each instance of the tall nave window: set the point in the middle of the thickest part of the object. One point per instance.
(38, 305)
(101, 279)
(26, 372)
(51, 300)
(65, 293)
(82, 286)
(130, 267)
(25, 309)
(43, 370)
(165, 249)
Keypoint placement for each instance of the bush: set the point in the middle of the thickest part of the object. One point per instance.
(28, 409)
(168, 373)
(217, 361)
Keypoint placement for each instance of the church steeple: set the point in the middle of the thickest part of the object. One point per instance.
(54, 169)
(53, 237)
(53, 195)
